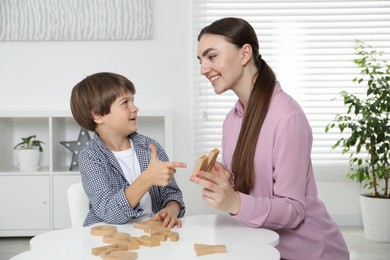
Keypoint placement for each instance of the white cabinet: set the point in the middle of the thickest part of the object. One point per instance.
(35, 202)
(25, 204)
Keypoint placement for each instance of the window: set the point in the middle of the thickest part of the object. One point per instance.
(310, 46)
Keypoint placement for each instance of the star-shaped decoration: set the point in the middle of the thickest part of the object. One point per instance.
(76, 146)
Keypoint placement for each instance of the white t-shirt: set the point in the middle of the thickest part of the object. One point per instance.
(130, 166)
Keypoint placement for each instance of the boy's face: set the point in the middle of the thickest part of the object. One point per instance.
(122, 120)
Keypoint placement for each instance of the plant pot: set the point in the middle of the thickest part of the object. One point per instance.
(28, 159)
(375, 216)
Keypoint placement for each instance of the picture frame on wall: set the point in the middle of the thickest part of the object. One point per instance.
(79, 20)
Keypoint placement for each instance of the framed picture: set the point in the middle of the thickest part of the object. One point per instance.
(77, 20)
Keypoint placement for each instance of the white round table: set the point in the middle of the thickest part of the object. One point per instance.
(242, 242)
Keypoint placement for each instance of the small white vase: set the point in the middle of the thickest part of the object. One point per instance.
(28, 159)
(376, 218)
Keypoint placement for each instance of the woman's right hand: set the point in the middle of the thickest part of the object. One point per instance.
(217, 190)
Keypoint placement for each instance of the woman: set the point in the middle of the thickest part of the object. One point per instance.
(266, 179)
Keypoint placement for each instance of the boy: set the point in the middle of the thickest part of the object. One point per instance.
(126, 175)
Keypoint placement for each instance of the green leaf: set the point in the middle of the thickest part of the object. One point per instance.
(367, 121)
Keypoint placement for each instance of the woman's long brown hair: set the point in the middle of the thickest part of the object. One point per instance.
(239, 32)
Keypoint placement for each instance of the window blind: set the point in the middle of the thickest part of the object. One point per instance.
(310, 46)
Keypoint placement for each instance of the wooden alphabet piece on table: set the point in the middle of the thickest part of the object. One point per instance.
(103, 230)
(148, 224)
(203, 249)
(164, 234)
(131, 242)
(104, 250)
(148, 241)
(206, 163)
(120, 255)
(122, 239)
(112, 238)
(121, 242)
(157, 230)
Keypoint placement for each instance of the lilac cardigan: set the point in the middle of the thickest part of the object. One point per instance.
(285, 195)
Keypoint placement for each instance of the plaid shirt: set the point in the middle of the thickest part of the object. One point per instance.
(104, 182)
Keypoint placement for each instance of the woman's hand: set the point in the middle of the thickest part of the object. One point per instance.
(217, 190)
(168, 215)
(158, 172)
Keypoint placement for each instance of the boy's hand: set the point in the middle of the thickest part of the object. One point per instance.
(168, 215)
(158, 172)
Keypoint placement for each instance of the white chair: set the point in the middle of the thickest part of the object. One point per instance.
(78, 204)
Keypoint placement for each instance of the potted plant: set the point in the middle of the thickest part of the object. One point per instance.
(366, 126)
(28, 153)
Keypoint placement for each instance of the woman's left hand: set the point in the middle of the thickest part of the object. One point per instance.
(217, 191)
(168, 215)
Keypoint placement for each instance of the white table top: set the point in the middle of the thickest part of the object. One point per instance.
(242, 242)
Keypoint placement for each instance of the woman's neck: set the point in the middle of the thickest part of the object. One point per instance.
(244, 86)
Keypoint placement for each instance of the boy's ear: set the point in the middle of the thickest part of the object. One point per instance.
(246, 52)
(97, 118)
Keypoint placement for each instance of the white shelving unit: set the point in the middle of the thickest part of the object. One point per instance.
(36, 202)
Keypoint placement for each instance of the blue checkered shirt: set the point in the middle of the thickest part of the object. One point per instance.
(104, 182)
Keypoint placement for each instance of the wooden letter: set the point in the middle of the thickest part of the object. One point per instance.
(148, 241)
(202, 249)
(112, 238)
(201, 165)
(148, 224)
(206, 163)
(103, 230)
(212, 158)
(104, 250)
(120, 255)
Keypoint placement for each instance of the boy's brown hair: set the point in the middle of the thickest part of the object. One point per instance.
(95, 94)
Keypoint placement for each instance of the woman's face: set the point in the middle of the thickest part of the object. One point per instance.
(220, 62)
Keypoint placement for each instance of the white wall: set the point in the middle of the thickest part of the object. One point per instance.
(40, 75)
(340, 196)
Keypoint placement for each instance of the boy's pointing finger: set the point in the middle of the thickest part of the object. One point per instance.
(177, 165)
